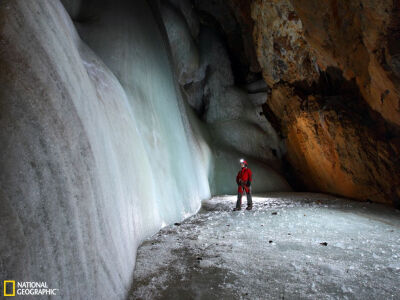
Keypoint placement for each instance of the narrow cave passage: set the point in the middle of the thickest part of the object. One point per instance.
(291, 246)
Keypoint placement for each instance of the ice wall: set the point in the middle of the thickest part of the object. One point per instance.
(98, 149)
(232, 115)
(95, 154)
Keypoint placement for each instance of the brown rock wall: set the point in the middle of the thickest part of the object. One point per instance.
(333, 67)
(334, 72)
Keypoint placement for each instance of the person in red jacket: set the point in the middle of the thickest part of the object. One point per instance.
(243, 180)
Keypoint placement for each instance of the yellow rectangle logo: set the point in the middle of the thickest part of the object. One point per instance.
(5, 287)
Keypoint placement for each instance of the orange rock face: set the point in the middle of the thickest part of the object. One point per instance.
(334, 70)
(335, 150)
(362, 39)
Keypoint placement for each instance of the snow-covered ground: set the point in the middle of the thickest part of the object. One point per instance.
(276, 251)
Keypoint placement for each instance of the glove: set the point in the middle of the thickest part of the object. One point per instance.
(248, 183)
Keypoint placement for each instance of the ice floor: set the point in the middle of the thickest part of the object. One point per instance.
(275, 252)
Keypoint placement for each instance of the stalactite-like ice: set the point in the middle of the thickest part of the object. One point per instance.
(91, 162)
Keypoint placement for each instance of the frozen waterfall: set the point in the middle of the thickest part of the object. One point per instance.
(98, 148)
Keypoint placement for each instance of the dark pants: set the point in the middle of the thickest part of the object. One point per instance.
(239, 197)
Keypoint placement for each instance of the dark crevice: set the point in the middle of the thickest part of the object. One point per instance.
(272, 118)
(234, 45)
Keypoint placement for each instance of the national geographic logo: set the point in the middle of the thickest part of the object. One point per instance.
(9, 285)
(27, 288)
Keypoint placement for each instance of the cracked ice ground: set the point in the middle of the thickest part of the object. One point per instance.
(220, 254)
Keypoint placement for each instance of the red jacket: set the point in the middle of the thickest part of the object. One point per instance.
(244, 175)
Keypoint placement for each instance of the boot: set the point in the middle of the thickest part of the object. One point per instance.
(249, 202)
(238, 202)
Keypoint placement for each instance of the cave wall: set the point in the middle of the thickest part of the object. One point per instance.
(332, 67)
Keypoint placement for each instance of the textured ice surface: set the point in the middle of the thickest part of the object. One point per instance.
(275, 252)
(184, 49)
(235, 118)
(96, 149)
